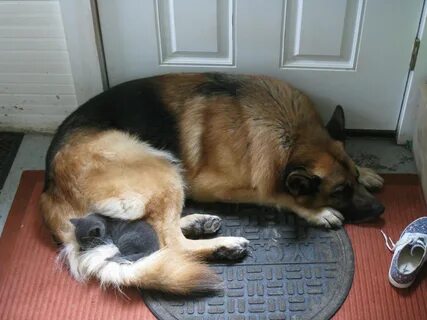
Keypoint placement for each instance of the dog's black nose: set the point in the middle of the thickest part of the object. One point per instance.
(377, 209)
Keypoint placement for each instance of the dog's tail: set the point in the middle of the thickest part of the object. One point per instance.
(166, 270)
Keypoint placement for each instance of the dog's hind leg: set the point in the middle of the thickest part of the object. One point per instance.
(127, 205)
(369, 178)
(116, 194)
(120, 175)
(196, 225)
(225, 248)
(166, 220)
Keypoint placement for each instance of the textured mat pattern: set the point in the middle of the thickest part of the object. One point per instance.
(9, 144)
(293, 271)
(33, 287)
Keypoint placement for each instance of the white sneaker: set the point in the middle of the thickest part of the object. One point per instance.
(410, 253)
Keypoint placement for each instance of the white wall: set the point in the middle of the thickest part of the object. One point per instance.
(36, 84)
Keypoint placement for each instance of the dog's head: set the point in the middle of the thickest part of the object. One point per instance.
(320, 173)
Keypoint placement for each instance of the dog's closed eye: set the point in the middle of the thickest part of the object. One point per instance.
(341, 190)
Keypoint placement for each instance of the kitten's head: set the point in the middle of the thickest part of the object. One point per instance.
(90, 231)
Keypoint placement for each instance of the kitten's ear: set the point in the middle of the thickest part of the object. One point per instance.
(95, 232)
(74, 221)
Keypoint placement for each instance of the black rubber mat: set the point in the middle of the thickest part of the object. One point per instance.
(9, 144)
(293, 271)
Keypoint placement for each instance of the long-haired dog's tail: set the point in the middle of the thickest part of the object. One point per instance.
(166, 270)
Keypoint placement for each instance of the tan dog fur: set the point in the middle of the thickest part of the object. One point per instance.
(114, 173)
(233, 148)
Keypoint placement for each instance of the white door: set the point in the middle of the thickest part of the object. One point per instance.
(355, 53)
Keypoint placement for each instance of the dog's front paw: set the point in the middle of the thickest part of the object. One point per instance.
(327, 218)
(232, 248)
(370, 179)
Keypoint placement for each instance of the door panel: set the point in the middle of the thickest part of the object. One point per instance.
(205, 39)
(354, 53)
(326, 41)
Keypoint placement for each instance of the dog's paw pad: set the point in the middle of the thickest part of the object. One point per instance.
(196, 225)
(370, 179)
(233, 248)
(327, 218)
(211, 224)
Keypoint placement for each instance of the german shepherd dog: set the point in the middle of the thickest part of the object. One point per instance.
(135, 150)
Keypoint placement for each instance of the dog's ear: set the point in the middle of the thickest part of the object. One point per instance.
(299, 182)
(336, 125)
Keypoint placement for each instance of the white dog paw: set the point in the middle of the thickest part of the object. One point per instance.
(370, 179)
(327, 218)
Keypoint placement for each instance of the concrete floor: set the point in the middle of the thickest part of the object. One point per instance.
(381, 154)
(30, 156)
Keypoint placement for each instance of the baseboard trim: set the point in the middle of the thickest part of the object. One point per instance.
(370, 133)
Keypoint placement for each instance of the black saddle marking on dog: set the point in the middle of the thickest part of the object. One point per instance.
(293, 271)
(135, 107)
(219, 84)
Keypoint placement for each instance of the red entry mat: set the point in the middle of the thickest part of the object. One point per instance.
(32, 286)
(372, 296)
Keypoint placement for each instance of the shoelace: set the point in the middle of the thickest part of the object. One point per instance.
(415, 242)
(387, 239)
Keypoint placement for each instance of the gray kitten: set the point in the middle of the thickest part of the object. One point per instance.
(134, 239)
